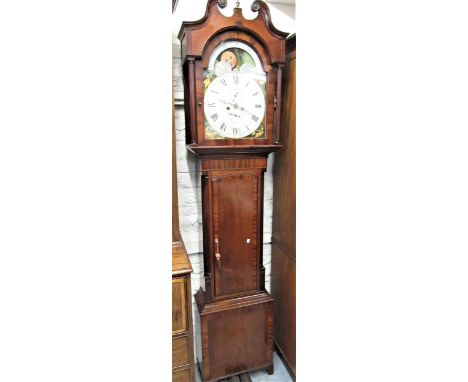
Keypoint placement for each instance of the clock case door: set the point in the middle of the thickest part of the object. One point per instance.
(233, 227)
(197, 48)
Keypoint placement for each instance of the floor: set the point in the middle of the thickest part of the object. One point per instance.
(280, 373)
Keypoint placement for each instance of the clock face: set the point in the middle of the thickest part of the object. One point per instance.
(234, 105)
(234, 93)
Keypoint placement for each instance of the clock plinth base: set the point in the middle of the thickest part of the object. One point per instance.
(236, 335)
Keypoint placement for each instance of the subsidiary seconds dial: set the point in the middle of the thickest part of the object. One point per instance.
(234, 105)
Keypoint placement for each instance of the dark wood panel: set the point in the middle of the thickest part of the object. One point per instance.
(235, 214)
(238, 163)
(225, 151)
(179, 310)
(284, 193)
(237, 335)
(232, 205)
(283, 288)
(283, 258)
(237, 340)
(180, 351)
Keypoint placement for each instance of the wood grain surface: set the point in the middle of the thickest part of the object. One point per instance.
(283, 257)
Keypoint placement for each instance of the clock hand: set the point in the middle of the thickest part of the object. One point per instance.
(235, 105)
(235, 96)
(233, 99)
(226, 102)
(246, 110)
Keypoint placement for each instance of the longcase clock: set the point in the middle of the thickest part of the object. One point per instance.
(232, 76)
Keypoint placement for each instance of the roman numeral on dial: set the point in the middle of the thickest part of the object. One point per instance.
(234, 105)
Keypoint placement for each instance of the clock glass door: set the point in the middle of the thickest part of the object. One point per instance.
(235, 210)
(234, 93)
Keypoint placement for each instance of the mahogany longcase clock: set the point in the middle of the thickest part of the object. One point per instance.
(232, 75)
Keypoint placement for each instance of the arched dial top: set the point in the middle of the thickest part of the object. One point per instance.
(213, 49)
(234, 93)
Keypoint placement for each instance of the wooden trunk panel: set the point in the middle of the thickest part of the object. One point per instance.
(235, 214)
(237, 339)
(179, 313)
(180, 351)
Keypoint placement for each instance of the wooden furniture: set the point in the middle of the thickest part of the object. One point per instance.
(233, 96)
(182, 333)
(283, 257)
(182, 338)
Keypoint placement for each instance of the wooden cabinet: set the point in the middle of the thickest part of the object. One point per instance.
(283, 253)
(182, 333)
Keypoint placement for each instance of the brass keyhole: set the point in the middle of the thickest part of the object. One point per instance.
(217, 254)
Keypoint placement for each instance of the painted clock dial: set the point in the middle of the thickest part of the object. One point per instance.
(234, 93)
(234, 105)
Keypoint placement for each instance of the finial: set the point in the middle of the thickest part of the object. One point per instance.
(222, 3)
(255, 6)
(237, 4)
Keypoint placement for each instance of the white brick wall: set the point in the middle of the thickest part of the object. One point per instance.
(189, 192)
